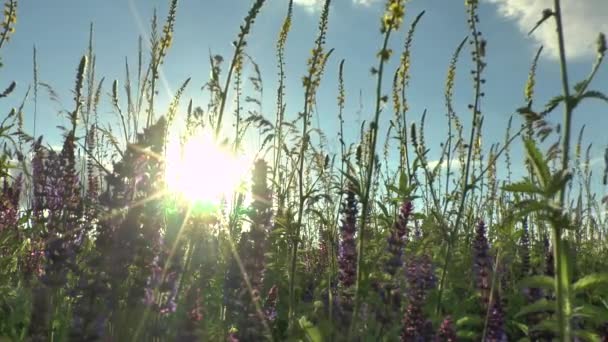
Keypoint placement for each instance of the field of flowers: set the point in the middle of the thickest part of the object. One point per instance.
(311, 246)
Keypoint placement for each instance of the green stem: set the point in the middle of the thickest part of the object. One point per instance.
(368, 181)
(561, 276)
(466, 186)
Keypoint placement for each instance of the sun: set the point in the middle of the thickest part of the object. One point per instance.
(201, 170)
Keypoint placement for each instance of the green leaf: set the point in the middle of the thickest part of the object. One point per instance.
(552, 104)
(538, 281)
(542, 305)
(538, 162)
(547, 325)
(587, 335)
(594, 94)
(590, 281)
(558, 182)
(313, 333)
(470, 321)
(591, 313)
(524, 186)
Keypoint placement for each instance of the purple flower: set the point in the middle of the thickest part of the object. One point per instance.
(482, 263)
(420, 278)
(496, 322)
(446, 332)
(347, 259)
(347, 250)
(396, 239)
(270, 308)
(524, 250)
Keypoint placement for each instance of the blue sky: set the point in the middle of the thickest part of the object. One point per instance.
(59, 29)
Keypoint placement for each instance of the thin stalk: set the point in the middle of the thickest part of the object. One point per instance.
(561, 276)
(368, 181)
(465, 182)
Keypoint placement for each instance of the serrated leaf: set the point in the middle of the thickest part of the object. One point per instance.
(538, 281)
(552, 104)
(594, 94)
(538, 162)
(471, 321)
(313, 334)
(467, 334)
(524, 186)
(590, 281)
(542, 305)
(591, 313)
(558, 182)
(587, 335)
(548, 325)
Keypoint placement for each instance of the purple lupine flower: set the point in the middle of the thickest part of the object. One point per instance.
(347, 255)
(243, 289)
(549, 258)
(482, 263)
(270, 307)
(161, 287)
(9, 204)
(524, 250)
(232, 335)
(420, 277)
(446, 332)
(604, 332)
(347, 259)
(496, 321)
(396, 239)
(389, 291)
(194, 315)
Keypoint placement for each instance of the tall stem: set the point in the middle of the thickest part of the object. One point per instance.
(561, 276)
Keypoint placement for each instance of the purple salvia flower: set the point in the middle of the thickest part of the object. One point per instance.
(270, 308)
(549, 259)
(524, 250)
(194, 315)
(9, 204)
(396, 239)
(496, 321)
(420, 278)
(446, 332)
(482, 263)
(347, 255)
(347, 259)
(604, 332)
(232, 335)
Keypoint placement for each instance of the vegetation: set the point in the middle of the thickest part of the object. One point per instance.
(361, 245)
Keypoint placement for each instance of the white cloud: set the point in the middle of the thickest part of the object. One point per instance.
(317, 5)
(444, 164)
(365, 3)
(310, 5)
(583, 20)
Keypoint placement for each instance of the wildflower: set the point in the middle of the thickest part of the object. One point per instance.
(270, 308)
(446, 332)
(482, 263)
(496, 321)
(194, 316)
(9, 203)
(347, 258)
(420, 278)
(396, 240)
(524, 243)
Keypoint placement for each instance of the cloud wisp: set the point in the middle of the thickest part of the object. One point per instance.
(582, 19)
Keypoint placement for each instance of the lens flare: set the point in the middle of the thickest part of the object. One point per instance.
(201, 170)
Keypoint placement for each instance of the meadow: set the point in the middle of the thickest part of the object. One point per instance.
(166, 228)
